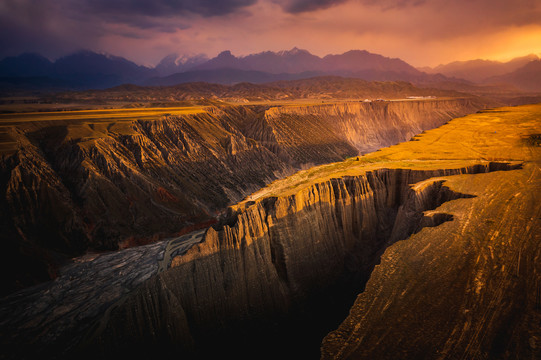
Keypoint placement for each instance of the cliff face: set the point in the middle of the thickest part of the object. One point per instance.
(75, 185)
(278, 273)
(367, 126)
(273, 268)
(466, 289)
(469, 288)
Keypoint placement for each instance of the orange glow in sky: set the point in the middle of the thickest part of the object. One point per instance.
(421, 32)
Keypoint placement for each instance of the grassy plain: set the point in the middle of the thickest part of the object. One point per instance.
(96, 115)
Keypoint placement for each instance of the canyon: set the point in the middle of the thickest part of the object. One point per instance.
(174, 184)
(449, 244)
(439, 233)
(472, 284)
(91, 181)
(278, 269)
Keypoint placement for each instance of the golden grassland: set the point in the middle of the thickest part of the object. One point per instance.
(502, 134)
(9, 106)
(314, 102)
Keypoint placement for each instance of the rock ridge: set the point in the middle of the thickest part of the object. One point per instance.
(269, 267)
(73, 185)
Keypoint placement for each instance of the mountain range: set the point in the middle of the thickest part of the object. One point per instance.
(527, 77)
(89, 70)
(81, 70)
(479, 70)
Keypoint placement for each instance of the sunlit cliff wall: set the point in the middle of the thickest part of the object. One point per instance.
(277, 266)
(70, 187)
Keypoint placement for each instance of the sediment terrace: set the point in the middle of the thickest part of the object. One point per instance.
(265, 277)
(429, 234)
(277, 270)
(105, 181)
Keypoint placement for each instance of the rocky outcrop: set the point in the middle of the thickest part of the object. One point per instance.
(73, 186)
(271, 269)
(365, 126)
(469, 289)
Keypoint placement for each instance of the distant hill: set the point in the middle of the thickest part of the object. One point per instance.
(289, 61)
(357, 63)
(25, 65)
(527, 77)
(227, 76)
(81, 70)
(361, 60)
(296, 64)
(298, 61)
(89, 70)
(322, 88)
(86, 69)
(480, 70)
(292, 61)
(175, 63)
(87, 62)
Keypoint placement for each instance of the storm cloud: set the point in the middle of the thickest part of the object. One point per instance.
(421, 31)
(166, 8)
(299, 6)
(56, 26)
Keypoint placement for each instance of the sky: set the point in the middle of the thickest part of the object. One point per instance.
(421, 32)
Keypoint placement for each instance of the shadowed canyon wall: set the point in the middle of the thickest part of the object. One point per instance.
(281, 268)
(75, 186)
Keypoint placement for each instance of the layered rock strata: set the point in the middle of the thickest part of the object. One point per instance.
(51, 318)
(469, 289)
(271, 270)
(73, 186)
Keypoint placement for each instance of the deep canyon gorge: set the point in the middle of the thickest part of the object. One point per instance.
(71, 186)
(344, 246)
(270, 179)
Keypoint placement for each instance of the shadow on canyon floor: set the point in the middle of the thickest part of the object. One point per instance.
(256, 301)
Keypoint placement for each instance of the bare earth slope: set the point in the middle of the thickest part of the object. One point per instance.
(469, 288)
(285, 266)
(104, 179)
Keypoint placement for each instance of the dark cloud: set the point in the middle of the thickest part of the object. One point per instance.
(54, 26)
(299, 6)
(164, 8)
(145, 22)
(140, 28)
(30, 26)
